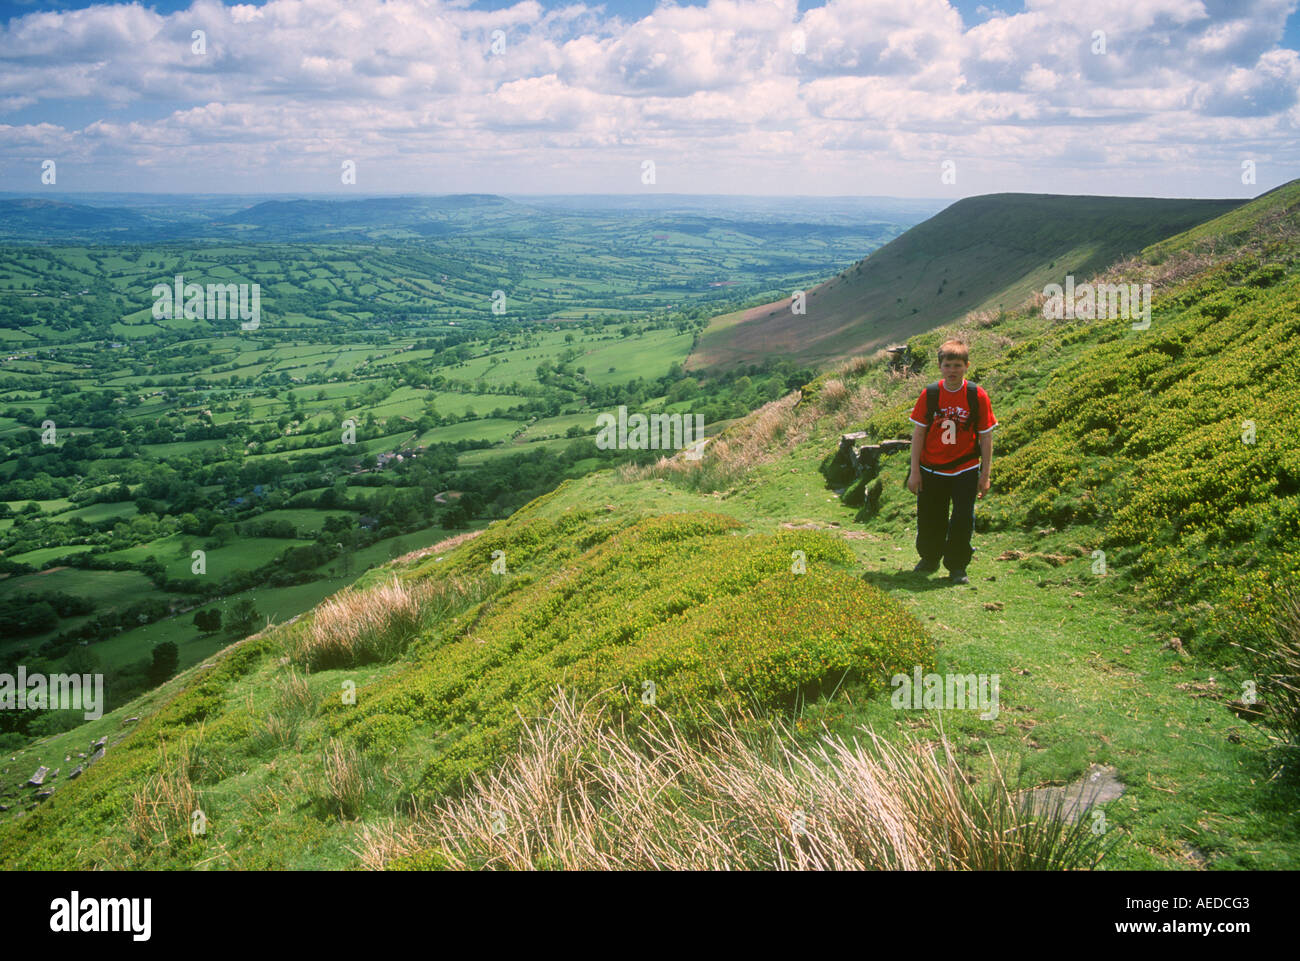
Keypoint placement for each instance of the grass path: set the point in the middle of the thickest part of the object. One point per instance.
(1085, 678)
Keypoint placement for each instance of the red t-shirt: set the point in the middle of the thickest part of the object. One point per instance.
(952, 412)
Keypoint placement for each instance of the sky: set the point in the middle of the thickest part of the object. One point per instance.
(907, 98)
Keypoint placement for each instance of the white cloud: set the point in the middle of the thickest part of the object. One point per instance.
(288, 87)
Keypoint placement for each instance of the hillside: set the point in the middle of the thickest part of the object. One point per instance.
(745, 581)
(981, 253)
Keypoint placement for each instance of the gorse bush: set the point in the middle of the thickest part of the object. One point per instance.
(1179, 442)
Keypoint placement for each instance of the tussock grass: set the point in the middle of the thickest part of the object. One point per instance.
(581, 795)
(357, 627)
(294, 695)
(860, 364)
(1275, 662)
(342, 783)
(161, 809)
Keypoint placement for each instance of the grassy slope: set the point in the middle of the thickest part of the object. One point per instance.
(980, 253)
(1086, 673)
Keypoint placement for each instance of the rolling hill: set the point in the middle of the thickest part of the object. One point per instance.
(747, 581)
(982, 253)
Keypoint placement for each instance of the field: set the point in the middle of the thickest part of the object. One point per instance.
(395, 388)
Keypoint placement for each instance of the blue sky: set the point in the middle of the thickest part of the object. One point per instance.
(925, 98)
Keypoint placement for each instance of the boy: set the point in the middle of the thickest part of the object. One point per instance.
(949, 416)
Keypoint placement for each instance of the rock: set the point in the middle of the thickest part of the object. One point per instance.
(872, 499)
(130, 720)
(42, 795)
(37, 779)
(75, 773)
(100, 743)
(1099, 785)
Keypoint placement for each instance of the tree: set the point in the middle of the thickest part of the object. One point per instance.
(83, 660)
(243, 617)
(209, 622)
(166, 658)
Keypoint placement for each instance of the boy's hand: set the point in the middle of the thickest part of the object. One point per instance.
(914, 483)
(983, 486)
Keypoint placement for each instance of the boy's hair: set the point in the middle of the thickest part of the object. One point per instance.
(955, 349)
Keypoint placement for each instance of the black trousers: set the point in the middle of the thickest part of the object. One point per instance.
(939, 535)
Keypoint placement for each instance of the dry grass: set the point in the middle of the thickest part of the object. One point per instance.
(834, 395)
(439, 548)
(984, 319)
(342, 785)
(579, 795)
(161, 810)
(765, 435)
(859, 365)
(375, 624)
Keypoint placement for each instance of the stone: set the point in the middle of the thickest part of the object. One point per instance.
(37, 779)
(1099, 785)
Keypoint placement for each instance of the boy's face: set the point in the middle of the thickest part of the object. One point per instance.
(953, 368)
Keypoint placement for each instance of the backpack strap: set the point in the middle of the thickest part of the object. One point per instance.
(972, 405)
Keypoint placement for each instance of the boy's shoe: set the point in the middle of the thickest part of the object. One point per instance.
(958, 577)
(923, 568)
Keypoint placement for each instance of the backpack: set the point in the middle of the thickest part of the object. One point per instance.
(972, 422)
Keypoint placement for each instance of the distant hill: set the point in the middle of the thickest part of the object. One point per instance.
(981, 253)
(422, 215)
(51, 219)
(690, 225)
